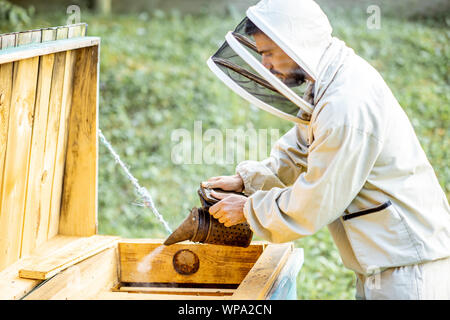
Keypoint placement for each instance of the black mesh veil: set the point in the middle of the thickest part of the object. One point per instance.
(241, 73)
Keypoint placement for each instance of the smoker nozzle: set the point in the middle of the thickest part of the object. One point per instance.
(186, 230)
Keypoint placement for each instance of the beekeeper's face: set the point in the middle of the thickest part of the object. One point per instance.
(278, 62)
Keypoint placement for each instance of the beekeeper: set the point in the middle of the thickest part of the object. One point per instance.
(351, 162)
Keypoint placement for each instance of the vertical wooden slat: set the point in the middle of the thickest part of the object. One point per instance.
(15, 167)
(261, 277)
(36, 36)
(23, 38)
(52, 126)
(79, 202)
(62, 143)
(62, 33)
(48, 34)
(17, 156)
(51, 142)
(75, 31)
(84, 29)
(6, 76)
(8, 40)
(33, 214)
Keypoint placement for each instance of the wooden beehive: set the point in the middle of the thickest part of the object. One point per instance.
(49, 247)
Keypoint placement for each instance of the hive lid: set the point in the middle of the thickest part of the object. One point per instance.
(48, 137)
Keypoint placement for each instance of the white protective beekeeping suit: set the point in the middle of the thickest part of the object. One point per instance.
(351, 162)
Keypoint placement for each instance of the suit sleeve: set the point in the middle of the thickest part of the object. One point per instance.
(287, 160)
(339, 162)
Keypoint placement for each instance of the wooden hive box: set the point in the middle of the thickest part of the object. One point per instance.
(49, 247)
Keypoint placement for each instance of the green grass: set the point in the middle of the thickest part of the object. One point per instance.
(154, 79)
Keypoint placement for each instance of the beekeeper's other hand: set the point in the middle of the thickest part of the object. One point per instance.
(229, 210)
(227, 183)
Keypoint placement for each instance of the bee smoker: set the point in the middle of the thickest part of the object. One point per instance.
(200, 226)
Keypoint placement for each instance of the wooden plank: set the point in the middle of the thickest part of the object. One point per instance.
(16, 159)
(23, 38)
(62, 32)
(180, 291)
(12, 54)
(8, 41)
(47, 266)
(264, 273)
(108, 295)
(75, 30)
(151, 261)
(48, 34)
(27, 37)
(84, 29)
(6, 75)
(36, 36)
(37, 205)
(79, 202)
(12, 287)
(34, 218)
(81, 281)
(57, 184)
(51, 142)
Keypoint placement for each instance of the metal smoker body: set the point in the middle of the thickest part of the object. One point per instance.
(200, 226)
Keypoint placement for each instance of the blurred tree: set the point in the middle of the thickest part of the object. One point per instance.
(14, 15)
(103, 6)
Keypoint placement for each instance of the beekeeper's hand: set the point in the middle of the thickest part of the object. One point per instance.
(227, 183)
(229, 210)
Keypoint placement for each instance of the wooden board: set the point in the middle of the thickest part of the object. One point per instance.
(60, 155)
(62, 32)
(150, 261)
(51, 143)
(35, 219)
(11, 285)
(6, 74)
(16, 159)
(76, 30)
(79, 201)
(108, 295)
(44, 267)
(83, 280)
(8, 41)
(262, 276)
(65, 107)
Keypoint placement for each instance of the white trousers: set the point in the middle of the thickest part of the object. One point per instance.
(426, 281)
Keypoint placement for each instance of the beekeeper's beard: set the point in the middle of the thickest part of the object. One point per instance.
(295, 77)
